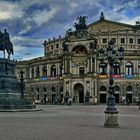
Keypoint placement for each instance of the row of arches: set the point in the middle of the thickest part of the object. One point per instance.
(128, 95)
(36, 72)
(129, 68)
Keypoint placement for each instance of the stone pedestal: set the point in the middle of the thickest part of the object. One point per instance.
(111, 113)
(10, 88)
(111, 119)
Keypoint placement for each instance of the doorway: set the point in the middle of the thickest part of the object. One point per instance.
(79, 93)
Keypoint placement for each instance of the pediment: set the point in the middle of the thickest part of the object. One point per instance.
(104, 25)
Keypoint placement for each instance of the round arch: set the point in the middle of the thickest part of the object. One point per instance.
(129, 92)
(78, 90)
(102, 91)
(79, 49)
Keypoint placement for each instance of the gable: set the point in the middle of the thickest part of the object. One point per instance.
(103, 25)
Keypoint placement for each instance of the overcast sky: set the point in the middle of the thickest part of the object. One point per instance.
(30, 22)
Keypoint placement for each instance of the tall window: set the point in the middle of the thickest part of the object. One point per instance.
(103, 68)
(131, 40)
(37, 72)
(138, 41)
(116, 69)
(61, 70)
(129, 69)
(53, 71)
(32, 72)
(44, 71)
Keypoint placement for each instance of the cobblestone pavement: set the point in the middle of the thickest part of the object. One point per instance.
(58, 122)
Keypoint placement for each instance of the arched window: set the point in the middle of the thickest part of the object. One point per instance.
(44, 71)
(32, 72)
(116, 89)
(61, 70)
(79, 50)
(116, 69)
(103, 68)
(37, 72)
(102, 88)
(129, 88)
(53, 71)
(129, 69)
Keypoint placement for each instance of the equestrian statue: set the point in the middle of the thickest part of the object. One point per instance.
(5, 43)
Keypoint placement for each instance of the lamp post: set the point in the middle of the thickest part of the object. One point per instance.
(112, 56)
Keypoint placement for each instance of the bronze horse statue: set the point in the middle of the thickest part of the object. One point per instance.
(5, 43)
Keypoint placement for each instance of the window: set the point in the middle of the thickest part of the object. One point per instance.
(116, 68)
(44, 89)
(53, 71)
(81, 71)
(45, 71)
(116, 89)
(32, 71)
(104, 40)
(114, 40)
(51, 47)
(57, 46)
(131, 40)
(129, 69)
(102, 88)
(103, 68)
(37, 72)
(123, 40)
(53, 89)
(79, 50)
(138, 41)
(61, 70)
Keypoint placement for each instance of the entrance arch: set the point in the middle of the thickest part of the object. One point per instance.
(78, 93)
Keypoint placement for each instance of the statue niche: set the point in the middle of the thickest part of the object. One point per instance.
(93, 45)
(65, 46)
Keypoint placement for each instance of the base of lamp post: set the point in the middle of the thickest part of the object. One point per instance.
(111, 119)
(111, 113)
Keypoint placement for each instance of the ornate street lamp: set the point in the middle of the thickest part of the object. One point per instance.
(112, 56)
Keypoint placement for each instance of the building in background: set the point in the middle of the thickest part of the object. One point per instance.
(70, 65)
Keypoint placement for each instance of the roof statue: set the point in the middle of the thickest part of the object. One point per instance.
(5, 43)
(102, 16)
(82, 23)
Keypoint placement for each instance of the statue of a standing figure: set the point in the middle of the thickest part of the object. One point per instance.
(5, 43)
(65, 47)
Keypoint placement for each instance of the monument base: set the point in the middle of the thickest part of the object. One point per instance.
(14, 101)
(11, 89)
(111, 119)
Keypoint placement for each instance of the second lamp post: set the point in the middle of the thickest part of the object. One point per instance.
(112, 56)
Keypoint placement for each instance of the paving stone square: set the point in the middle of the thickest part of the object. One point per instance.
(58, 122)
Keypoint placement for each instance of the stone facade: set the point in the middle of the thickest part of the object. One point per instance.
(70, 66)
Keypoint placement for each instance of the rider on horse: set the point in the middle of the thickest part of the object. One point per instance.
(5, 43)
